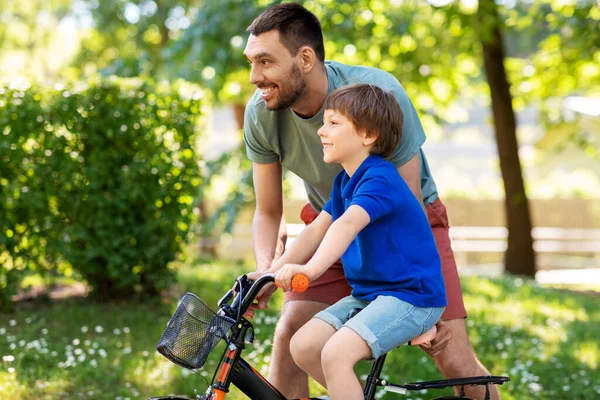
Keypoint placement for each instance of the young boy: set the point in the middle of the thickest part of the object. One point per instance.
(380, 231)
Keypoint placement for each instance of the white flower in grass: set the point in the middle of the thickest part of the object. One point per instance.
(76, 342)
(13, 346)
(28, 320)
(54, 354)
(99, 329)
(117, 331)
(87, 342)
(127, 350)
(91, 351)
(12, 322)
(84, 329)
(22, 343)
(78, 352)
(102, 353)
(145, 353)
(8, 358)
(81, 358)
(94, 363)
(126, 330)
(11, 370)
(2, 331)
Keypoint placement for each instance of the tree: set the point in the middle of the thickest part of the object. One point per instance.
(519, 257)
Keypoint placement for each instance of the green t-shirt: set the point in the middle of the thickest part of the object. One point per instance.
(284, 137)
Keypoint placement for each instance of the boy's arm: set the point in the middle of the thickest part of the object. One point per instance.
(306, 243)
(337, 239)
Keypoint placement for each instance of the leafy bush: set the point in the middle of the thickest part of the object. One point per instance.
(100, 175)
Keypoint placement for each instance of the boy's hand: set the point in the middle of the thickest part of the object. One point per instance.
(283, 277)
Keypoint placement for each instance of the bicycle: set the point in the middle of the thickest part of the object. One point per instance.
(194, 330)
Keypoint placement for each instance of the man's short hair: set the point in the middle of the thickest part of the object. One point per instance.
(296, 25)
(371, 110)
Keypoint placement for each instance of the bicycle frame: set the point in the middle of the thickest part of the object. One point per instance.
(234, 370)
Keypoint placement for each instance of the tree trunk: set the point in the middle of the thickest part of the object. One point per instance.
(519, 258)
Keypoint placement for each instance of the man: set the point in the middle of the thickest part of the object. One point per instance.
(286, 52)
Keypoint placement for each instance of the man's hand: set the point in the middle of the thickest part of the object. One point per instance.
(262, 298)
(283, 277)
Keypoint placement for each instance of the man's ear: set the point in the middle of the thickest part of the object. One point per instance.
(307, 57)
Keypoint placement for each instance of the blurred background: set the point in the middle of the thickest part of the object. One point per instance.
(123, 173)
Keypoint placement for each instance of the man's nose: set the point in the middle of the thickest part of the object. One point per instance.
(255, 75)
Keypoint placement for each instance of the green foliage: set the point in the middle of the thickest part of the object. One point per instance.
(24, 215)
(131, 38)
(99, 176)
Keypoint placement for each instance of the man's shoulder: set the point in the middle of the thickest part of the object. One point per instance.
(345, 74)
(256, 104)
(257, 113)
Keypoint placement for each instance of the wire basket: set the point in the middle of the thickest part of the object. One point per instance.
(192, 333)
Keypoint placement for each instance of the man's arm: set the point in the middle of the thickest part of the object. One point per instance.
(411, 173)
(268, 216)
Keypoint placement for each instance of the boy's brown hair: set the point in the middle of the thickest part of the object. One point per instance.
(372, 111)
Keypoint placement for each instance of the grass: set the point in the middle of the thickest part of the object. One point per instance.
(545, 339)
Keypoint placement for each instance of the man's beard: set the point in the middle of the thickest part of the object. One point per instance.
(292, 92)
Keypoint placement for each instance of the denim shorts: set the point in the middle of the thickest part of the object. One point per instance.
(385, 323)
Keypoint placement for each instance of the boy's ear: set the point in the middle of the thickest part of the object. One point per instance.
(368, 138)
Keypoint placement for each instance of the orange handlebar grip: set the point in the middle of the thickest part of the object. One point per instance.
(299, 283)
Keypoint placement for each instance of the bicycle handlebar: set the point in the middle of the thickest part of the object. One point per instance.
(299, 283)
(250, 289)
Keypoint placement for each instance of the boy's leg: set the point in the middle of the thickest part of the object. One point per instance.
(298, 309)
(339, 356)
(307, 345)
(450, 349)
(284, 374)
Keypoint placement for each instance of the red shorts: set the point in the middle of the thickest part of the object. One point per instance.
(332, 285)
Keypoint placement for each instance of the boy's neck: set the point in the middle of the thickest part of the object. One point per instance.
(351, 165)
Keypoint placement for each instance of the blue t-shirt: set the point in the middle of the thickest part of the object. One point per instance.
(395, 254)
